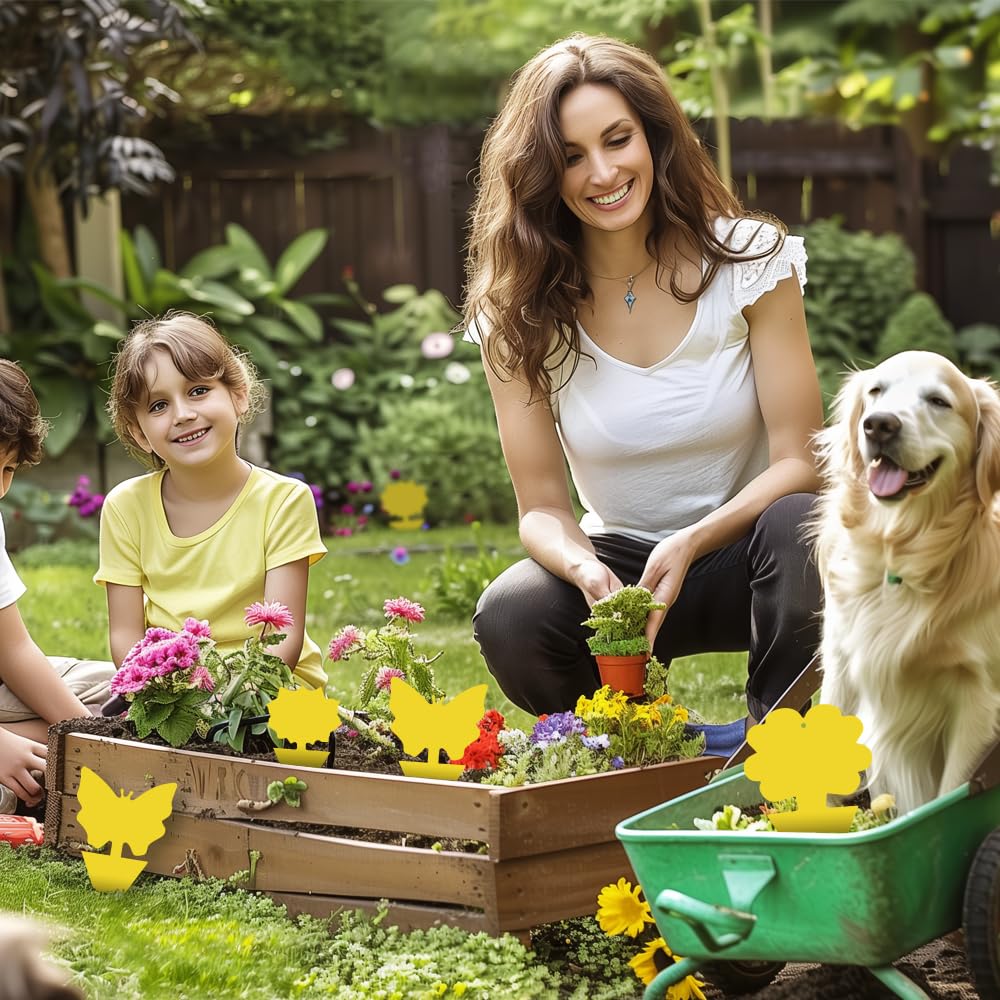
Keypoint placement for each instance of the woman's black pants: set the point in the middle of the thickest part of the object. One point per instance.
(760, 594)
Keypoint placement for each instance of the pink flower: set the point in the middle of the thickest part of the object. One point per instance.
(158, 657)
(129, 679)
(436, 345)
(199, 629)
(272, 613)
(383, 679)
(343, 532)
(201, 678)
(344, 641)
(347, 508)
(400, 607)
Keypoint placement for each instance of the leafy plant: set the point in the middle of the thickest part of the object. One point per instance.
(978, 346)
(34, 514)
(918, 325)
(459, 578)
(619, 622)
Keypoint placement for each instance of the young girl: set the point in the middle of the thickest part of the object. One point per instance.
(638, 326)
(206, 534)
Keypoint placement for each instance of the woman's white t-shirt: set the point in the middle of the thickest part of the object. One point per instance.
(653, 450)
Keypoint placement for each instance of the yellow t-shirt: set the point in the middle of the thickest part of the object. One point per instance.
(219, 572)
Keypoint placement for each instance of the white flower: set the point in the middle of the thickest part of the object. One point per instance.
(342, 378)
(457, 373)
(406, 381)
(295, 370)
(431, 382)
(437, 345)
(311, 421)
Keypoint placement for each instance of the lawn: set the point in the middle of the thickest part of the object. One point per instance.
(178, 939)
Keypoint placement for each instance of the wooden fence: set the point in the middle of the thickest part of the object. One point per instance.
(397, 201)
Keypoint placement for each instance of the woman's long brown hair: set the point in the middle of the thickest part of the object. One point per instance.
(524, 273)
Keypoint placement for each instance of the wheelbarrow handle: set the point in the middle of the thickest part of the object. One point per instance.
(795, 696)
(718, 927)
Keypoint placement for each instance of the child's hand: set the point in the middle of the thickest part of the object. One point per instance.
(19, 756)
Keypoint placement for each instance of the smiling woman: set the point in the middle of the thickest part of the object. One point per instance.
(638, 326)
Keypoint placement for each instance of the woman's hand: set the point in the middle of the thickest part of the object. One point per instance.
(664, 574)
(19, 756)
(595, 580)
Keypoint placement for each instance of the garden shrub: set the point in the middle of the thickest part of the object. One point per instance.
(446, 440)
(917, 325)
(459, 578)
(979, 349)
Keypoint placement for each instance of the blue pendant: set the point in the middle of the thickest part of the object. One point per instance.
(629, 300)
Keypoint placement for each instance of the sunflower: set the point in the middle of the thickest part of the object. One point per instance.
(621, 911)
(653, 959)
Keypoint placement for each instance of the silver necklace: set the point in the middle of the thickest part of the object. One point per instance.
(629, 279)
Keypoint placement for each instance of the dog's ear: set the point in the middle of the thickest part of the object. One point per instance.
(838, 444)
(988, 441)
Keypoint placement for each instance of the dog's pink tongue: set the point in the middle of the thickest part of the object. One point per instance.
(885, 478)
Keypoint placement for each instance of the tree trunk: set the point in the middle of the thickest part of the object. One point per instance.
(765, 21)
(6, 245)
(43, 196)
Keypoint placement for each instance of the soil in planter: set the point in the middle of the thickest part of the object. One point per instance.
(349, 755)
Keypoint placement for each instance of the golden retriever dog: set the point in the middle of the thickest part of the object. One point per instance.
(908, 543)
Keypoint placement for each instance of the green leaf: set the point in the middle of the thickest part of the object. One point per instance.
(147, 253)
(298, 257)
(136, 283)
(274, 329)
(164, 292)
(179, 726)
(215, 262)
(59, 303)
(253, 256)
(216, 294)
(65, 402)
(305, 318)
(99, 291)
(235, 718)
(953, 56)
(397, 294)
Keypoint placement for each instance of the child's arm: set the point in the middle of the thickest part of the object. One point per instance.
(288, 584)
(126, 619)
(26, 670)
(18, 757)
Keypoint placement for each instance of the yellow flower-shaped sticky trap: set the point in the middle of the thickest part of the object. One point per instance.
(121, 820)
(808, 758)
(303, 716)
(621, 911)
(404, 502)
(420, 724)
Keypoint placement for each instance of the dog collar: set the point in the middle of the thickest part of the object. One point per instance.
(891, 577)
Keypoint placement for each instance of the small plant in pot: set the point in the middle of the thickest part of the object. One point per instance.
(619, 643)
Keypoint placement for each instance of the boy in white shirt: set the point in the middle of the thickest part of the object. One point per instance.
(36, 691)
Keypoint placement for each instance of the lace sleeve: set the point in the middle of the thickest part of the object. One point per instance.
(752, 278)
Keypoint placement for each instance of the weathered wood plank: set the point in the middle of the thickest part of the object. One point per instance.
(211, 785)
(301, 862)
(559, 815)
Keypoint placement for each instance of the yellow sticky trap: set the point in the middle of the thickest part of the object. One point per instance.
(404, 502)
(808, 758)
(303, 716)
(119, 819)
(451, 726)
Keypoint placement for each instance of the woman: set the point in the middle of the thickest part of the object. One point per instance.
(635, 323)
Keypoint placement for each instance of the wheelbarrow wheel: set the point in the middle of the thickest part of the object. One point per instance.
(981, 917)
(738, 978)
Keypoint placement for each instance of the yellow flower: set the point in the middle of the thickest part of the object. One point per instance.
(584, 707)
(646, 714)
(459, 989)
(653, 959)
(620, 911)
(680, 714)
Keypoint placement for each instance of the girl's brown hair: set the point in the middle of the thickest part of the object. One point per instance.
(524, 274)
(22, 429)
(197, 350)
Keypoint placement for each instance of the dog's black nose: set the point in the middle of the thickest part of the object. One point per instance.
(881, 427)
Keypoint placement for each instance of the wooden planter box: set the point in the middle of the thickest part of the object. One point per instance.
(552, 846)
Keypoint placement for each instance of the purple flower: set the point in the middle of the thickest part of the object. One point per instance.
(369, 508)
(366, 486)
(353, 487)
(347, 508)
(399, 555)
(600, 742)
(555, 728)
(617, 763)
(317, 492)
(394, 473)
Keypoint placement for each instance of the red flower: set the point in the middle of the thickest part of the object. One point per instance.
(272, 613)
(485, 751)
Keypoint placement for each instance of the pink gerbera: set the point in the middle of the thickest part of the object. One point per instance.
(400, 607)
(383, 679)
(272, 613)
(344, 641)
(199, 629)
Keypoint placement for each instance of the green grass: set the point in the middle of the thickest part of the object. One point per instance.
(348, 586)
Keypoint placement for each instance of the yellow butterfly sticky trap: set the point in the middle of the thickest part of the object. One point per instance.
(450, 725)
(119, 819)
(404, 502)
(809, 758)
(303, 716)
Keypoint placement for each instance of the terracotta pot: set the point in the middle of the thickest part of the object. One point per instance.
(624, 673)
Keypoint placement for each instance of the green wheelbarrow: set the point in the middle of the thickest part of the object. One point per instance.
(739, 905)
